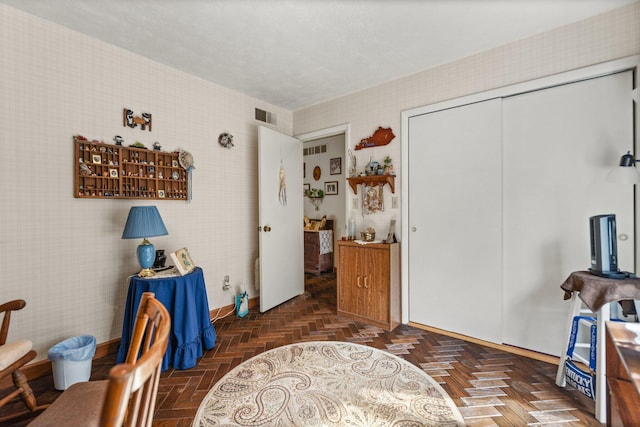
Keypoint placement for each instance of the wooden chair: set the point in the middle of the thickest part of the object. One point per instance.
(128, 396)
(13, 356)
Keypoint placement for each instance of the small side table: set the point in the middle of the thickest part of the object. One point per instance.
(185, 298)
(596, 293)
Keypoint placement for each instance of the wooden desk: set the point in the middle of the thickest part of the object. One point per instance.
(623, 376)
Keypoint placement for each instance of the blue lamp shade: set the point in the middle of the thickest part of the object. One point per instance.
(144, 222)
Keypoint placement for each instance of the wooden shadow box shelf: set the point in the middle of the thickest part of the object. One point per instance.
(371, 180)
(108, 171)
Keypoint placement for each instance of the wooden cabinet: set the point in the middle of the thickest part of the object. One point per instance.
(112, 171)
(623, 376)
(369, 283)
(318, 251)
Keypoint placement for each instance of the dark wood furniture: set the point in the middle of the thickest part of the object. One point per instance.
(13, 356)
(111, 171)
(372, 180)
(369, 282)
(623, 376)
(316, 258)
(128, 397)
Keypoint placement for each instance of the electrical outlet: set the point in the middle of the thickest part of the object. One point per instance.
(394, 202)
(225, 285)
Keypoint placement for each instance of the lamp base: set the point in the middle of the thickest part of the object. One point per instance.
(146, 272)
(146, 256)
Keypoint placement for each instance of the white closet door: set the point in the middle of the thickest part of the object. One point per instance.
(455, 220)
(559, 144)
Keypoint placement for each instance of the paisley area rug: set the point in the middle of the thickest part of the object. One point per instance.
(327, 384)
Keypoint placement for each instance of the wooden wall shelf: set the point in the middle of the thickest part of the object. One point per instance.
(372, 179)
(108, 171)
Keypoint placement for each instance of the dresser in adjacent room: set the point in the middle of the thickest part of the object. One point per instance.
(318, 249)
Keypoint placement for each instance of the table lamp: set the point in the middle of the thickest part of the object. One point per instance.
(144, 222)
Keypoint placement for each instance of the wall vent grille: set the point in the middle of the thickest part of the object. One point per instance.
(318, 149)
(265, 116)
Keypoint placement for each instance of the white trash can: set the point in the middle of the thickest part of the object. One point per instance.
(71, 360)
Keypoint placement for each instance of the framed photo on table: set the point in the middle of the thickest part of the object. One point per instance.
(182, 260)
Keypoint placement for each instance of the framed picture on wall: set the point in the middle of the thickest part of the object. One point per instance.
(305, 189)
(335, 166)
(330, 188)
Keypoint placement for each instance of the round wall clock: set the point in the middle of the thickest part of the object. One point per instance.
(316, 173)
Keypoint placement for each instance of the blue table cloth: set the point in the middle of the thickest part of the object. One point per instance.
(185, 298)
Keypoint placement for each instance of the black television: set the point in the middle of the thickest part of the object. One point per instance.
(604, 250)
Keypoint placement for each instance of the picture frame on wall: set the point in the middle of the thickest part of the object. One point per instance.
(305, 189)
(330, 188)
(182, 260)
(335, 166)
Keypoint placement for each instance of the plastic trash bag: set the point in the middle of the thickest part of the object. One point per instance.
(78, 348)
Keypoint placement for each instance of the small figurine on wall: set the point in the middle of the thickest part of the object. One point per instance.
(226, 140)
(128, 119)
(157, 146)
(118, 140)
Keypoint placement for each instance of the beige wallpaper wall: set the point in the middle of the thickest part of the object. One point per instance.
(63, 255)
(605, 37)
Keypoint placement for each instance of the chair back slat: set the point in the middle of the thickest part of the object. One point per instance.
(133, 385)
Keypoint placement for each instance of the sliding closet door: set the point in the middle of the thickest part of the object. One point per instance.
(455, 220)
(559, 144)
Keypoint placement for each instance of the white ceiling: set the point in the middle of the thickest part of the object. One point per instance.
(298, 53)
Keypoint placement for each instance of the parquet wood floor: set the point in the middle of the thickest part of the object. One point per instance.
(491, 387)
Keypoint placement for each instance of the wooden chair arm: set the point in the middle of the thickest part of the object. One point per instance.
(7, 308)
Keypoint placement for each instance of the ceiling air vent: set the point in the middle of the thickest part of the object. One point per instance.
(265, 116)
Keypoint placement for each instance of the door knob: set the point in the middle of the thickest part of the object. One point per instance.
(266, 228)
(413, 229)
(623, 236)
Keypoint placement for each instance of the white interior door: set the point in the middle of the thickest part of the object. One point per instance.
(455, 232)
(559, 144)
(281, 231)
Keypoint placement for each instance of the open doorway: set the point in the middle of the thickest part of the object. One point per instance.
(325, 169)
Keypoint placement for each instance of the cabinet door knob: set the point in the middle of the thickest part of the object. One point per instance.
(266, 228)
(366, 282)
(358, 284)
